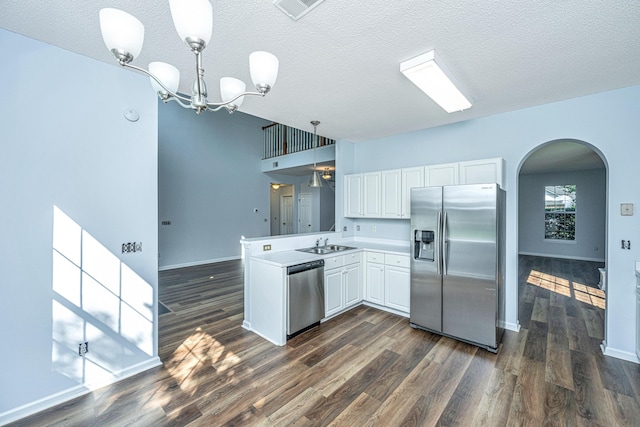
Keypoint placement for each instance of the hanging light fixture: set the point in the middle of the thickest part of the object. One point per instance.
(123, 35)
(326, 174)
(315, 181)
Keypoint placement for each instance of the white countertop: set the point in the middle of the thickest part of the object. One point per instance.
(288, 258)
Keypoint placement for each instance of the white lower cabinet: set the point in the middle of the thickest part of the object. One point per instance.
(387, 280)
(397, 283)
(375, 283)
(342, 282)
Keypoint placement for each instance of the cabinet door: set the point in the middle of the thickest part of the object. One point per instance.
(391, 195)
(411, 177)
(482, 171)
(333, 301)
(371, 189)
(352, 284)
(397, 288)
(375, 283)
(444, 174)
(353, 195)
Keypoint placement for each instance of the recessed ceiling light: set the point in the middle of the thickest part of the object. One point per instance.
(430, 77)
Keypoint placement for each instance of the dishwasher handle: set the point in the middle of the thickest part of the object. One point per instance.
(299, 268)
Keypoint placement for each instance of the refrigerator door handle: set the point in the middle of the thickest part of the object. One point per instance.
(443, 250)
(438, 249)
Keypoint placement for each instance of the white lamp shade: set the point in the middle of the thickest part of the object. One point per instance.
(264, 68)
(168, 75)
(192, 18)
(231, 87)
(121, 31)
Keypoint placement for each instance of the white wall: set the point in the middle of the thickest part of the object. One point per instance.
(209, 183)
(589, 243)
(66, 144)
(608, 121)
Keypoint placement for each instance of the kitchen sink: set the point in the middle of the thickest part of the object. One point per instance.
(315, 250)
(338, 248)
(325, 249)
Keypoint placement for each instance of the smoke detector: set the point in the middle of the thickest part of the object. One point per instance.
(296, 9)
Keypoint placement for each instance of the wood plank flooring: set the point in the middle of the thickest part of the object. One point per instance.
(369, 368)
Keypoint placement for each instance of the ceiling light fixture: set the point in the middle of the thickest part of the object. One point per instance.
(123, 35)
(315, 181)
(326, 174)
(431, 78)
(275, 186)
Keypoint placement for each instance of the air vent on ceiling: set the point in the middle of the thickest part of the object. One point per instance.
(296, 9)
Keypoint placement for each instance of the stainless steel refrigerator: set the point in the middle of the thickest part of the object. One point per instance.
(457, 262)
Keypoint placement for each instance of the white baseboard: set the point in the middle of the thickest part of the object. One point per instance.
(511, 326)
(73, 392)
(578, 258)
(191, 264)
(246, 325)
(619, 354)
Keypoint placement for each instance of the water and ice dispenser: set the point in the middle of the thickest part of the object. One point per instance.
(424, 245)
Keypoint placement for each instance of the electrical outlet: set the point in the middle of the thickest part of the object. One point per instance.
(266, 248)
(357, 228)
(83, 348)
(131, 247)
(165, 223)
(374, 228)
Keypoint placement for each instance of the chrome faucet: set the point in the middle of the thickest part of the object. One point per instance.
(317, 243)
(326, 241)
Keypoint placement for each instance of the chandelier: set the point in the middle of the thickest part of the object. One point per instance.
(123, 35)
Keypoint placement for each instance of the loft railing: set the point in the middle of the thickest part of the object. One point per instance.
(280, 140)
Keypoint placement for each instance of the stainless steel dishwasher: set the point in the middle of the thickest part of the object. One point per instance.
(305, 292)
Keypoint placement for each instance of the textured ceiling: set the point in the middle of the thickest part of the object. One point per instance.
(340, 63)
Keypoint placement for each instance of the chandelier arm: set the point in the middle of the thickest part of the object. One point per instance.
(173, 98)
(172, 94)
(222, 104)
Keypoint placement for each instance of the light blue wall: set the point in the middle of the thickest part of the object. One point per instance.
(608, 121)
(590, 215)
(65, 143)
(209, 184)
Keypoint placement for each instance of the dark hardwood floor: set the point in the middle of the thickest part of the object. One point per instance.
(368, 367)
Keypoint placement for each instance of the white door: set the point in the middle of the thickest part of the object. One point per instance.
(397, 284)
(286, 215)
(391, 193)
(333, 301)
(352, 284)
(304, 213)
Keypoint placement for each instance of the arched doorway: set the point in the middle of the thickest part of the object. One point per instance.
(562, 237)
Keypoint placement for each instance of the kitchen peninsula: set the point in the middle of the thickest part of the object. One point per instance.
(374, 272)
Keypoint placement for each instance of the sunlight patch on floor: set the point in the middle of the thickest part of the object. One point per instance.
(578, 291)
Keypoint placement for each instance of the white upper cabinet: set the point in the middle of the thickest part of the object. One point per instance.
(387, 194)
(391, 194)
(353, 195)
(445, 174)
(482, 171)
(411, 178)
(371, 190)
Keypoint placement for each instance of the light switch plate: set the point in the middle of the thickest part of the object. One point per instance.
(626, 209)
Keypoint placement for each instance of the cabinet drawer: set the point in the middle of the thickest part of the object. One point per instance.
(397, 260)
(352, 258)
(333, 262)
(375, 257)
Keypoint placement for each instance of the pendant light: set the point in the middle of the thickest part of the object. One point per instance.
(315, 181)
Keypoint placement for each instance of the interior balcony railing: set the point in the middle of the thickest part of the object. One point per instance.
(280, 140)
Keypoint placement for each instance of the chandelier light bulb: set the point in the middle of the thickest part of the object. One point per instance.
(193, 19)
(121, 32)
(167, 74)
(231, 87)
(264, 69)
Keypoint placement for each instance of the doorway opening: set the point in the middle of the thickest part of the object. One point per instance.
(562, 237)
(282, 209)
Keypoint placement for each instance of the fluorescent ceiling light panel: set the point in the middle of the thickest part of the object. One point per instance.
(425, 73)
